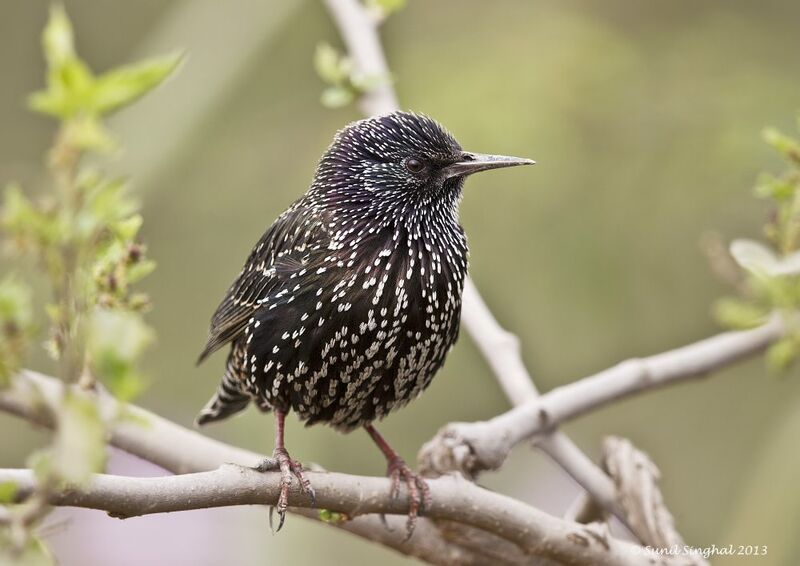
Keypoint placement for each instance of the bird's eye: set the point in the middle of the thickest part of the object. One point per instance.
(414, 165)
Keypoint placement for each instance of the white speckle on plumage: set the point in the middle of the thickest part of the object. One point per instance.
(334, 246)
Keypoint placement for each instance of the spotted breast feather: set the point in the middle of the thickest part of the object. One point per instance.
(371, 322)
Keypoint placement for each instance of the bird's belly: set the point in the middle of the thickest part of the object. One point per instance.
(361, 387)
(361, 356)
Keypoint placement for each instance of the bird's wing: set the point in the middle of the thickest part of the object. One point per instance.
(293, 243)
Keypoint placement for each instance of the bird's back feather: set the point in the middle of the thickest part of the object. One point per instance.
(288, 247)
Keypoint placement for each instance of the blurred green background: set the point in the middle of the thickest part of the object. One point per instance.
(645, 121)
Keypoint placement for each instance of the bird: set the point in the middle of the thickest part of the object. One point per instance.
(349, 303)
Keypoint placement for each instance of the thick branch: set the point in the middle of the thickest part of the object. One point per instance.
(435, 545)
(180, 450)
(453, 498)
(474, 447)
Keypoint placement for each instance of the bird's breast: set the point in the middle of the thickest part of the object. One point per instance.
(368, 335)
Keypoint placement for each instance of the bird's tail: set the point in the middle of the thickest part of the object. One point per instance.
(227, 401)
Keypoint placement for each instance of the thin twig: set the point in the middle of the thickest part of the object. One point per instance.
(489, 442)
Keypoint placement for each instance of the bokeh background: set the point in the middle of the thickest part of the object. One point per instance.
(645, 121)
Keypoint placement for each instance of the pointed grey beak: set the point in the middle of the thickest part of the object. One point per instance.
(474, 162)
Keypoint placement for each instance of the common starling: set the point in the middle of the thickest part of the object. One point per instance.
(349, 303)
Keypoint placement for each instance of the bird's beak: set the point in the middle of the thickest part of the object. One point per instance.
(474, 162)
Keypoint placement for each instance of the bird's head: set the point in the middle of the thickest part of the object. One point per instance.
(398, 164)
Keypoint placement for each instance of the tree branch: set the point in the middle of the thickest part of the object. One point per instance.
(470, 447)
(183, 451)
(179, 450)
(433, 544)
(474, 447)
(454, 498)
(637, 478)
(501, 350)
(359, 30)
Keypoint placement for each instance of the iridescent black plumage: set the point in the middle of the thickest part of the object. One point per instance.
(349, 303)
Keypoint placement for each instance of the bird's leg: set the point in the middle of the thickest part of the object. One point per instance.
(288, 468)
(419, 495)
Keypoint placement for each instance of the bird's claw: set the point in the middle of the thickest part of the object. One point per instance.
(288, 468)
(419, 494)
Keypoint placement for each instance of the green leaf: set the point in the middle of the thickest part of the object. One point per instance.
(332, 517)
(387, 6)
(16, 326)
(330, 65)
(109, 202)
(140, 270)
(366, 83)
(26, 221)
(787, 145)
(128, 228)
(781, 190)
(73, 90)
(753, 256)
(116, 340)
(79, 448)
(119, 375)
(108, 211)
(57, 39)
(86, 132)
(41, 462)
(69, 90)
(336, 97)
(8, 490)
(122, 86)
(782, 354)
(739, 314)
(15, 302)
(760, 260)
(122, 333)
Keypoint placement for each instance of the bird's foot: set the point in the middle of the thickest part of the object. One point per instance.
(419, 494)
(288, 468)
